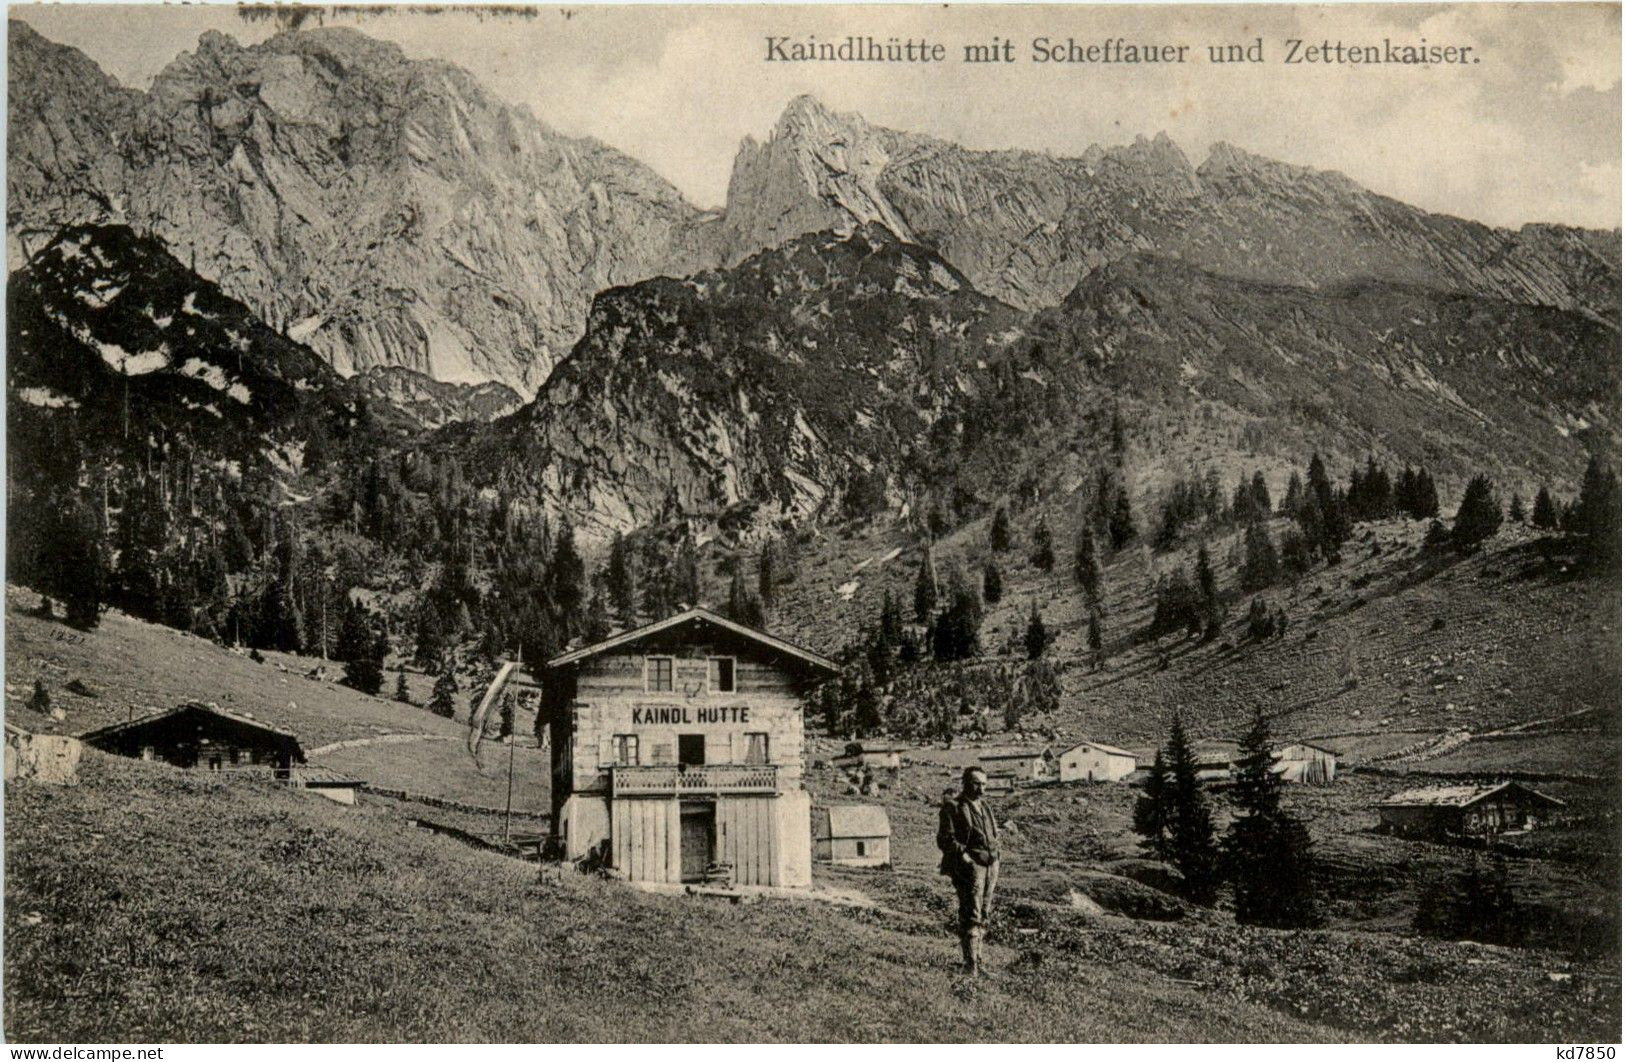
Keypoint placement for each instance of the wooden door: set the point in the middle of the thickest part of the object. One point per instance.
(698, 839)
(691, 749)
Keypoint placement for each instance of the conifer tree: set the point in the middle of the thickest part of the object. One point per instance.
(365, 674)
(1043, 557)
(1121, 529)
(620, 582)
(1097, 645)
(1479, 515)
(1036, 639)
(566, 585)
(767, 575)
(1153, 811)
(1267, 851)
(40, 700)
(443, 699)
(596, 624)
(992, 583)
(925, 590)
(1292, 500)
(1426, 502)
(1086, 565)
(1597, 513)
(1191, 845)
(1515, 512)
(402, 694)
(999, 535)
(957, 631)
(1261, 567)
(1261, 496)
(743, 606)
(1207, 593)
(1544, 515)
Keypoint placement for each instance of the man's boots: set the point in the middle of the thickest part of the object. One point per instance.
(972, 950)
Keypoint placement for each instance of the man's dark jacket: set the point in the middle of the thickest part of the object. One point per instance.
(967, 827)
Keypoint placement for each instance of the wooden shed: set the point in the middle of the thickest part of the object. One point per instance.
(852, 835)
(869, 754)
(1305, 764)
(1019, 765)
(677, 751)
(202, 735)
(1468, 810)
(1091, 761)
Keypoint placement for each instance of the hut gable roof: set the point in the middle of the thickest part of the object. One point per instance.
(858, 820)
(1110, 750)
(1282, 749)
(241, 719)
(699, 616)
(1459, 796)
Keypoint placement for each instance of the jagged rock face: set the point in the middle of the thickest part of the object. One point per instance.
(115, 347)
(383, 211)
(431, 403)
(1026, 227)
(748, 395)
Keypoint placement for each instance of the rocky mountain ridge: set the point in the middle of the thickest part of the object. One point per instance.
(1027, 226)
(390, 212)
(384, 211)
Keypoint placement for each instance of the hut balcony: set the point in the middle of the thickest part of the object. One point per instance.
(694, 779)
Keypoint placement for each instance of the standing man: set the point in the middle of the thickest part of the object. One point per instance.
(969, 839)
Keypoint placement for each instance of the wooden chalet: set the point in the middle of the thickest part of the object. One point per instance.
(1467, 810)
(203, 735)
(677, 751)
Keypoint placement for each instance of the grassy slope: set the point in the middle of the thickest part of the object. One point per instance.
(150, 904)
(136, 667)
(1528, 639)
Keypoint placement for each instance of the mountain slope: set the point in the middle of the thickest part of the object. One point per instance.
(383, 211)
(764, 391)
(1027, 226)
(106, 329)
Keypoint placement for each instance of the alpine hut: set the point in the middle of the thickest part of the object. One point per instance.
(677, 751)
(1467, 810)
(852, 835)
(202, 735)
(1091, 761)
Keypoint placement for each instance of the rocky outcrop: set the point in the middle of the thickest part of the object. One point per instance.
(385, 212)
(431, 403)
(782, 389)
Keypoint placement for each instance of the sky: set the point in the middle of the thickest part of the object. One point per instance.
(1529, 132)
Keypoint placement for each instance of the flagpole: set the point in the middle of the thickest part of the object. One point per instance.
(507, 814)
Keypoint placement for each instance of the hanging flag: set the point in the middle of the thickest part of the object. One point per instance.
(476, 718)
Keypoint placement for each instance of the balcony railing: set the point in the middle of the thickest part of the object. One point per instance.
(709, 778)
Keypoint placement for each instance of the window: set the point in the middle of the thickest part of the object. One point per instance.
(657, 674)
(722, 674)
(625, 750)
(863, 848)
(755, 748)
